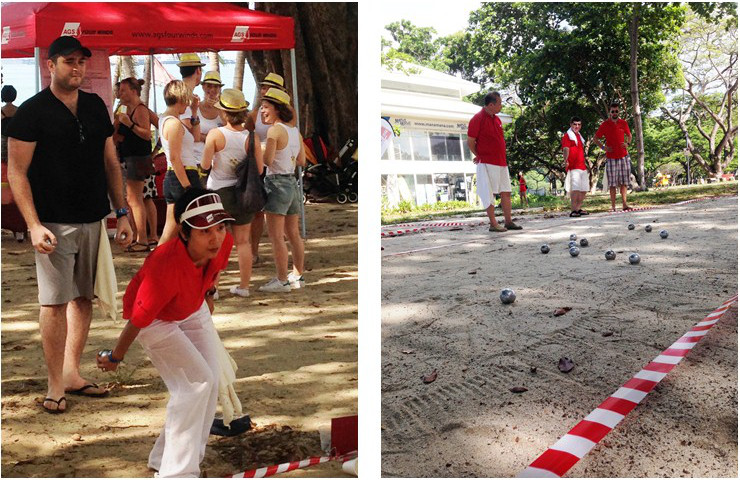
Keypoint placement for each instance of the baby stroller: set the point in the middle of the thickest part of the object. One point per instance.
(325, 179)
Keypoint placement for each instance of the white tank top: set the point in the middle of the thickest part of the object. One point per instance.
(206, 125)
(285, 159)
(224, 162)
(188, 143)
(261, 128)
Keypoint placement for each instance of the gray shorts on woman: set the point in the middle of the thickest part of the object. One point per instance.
(283, 197)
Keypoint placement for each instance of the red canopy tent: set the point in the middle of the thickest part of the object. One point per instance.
(146, 28)
(142, 28)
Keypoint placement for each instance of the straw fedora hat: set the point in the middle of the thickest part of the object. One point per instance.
(213, 77)
(190, 60)
(274, 80)
(231, 100)
(277, 95)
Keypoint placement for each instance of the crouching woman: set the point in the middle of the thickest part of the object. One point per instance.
(168, 307)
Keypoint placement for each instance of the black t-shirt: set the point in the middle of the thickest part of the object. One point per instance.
(67, 172)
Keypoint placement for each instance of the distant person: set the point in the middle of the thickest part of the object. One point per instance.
(210, 116)
(283, 151)
(523, 190)
(225, 148)
(191, 70)
(8, 110)
(178, 145)
(62, 167)
(487, 144)
(136, 152)
(617, 137)
(576, 179)
(256, 123)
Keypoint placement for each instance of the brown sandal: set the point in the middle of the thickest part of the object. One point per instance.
(137, 247)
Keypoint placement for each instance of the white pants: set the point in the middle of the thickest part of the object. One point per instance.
(184, 354)
(492, 179)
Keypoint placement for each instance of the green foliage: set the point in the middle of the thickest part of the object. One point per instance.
(414, 45)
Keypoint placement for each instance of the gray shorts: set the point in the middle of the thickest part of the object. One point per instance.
(69, 271)
(283, 197)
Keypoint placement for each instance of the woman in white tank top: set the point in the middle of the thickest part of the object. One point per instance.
(177, 143)
(210, 116)
(225, 148)
(283, 151)
(255, 123)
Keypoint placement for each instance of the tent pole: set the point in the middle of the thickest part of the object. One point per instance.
(37, 57)
(153, 89)
(294, 74)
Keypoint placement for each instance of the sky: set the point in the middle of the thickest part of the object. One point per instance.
(445, 17)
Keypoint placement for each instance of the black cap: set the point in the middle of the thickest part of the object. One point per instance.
(65, 45)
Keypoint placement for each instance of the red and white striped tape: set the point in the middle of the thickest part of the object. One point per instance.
(289, 466)
(575, 444)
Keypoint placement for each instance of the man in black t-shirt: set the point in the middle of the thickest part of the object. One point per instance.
(62, 167)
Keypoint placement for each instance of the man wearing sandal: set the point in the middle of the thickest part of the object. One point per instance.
(62, 167)
(617, 137)
(576, 179)
(487, 144)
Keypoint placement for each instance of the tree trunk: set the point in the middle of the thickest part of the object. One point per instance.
(326, 66)
(241, 59)
(213, 62)
(147, 81)
(637, 114)
(128, 66)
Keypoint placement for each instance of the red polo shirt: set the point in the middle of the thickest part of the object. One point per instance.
(489, 138)
(576, 158)
(615, 133)
(169, 286)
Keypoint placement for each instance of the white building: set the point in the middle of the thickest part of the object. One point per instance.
(430, 160)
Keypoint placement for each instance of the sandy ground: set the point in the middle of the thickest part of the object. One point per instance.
(441, 311)
(297, 359)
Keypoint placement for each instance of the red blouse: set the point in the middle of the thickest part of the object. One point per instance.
(169, 286)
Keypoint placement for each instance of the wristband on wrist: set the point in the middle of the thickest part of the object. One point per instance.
(121, 212)
(194, 120)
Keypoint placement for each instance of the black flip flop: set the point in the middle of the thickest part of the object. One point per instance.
(58, 402)
(582, 212)
(82, 391)
(575, 214)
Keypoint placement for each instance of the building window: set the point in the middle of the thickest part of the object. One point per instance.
(467, 154)
(446, 146)
(402, 147)
(406, 188)
(424, 190)
(442, 184)
(420, 144)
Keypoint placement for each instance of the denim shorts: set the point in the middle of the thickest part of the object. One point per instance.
(172, 187)
(283, 197)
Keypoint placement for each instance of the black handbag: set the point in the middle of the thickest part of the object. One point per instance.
(250, 187)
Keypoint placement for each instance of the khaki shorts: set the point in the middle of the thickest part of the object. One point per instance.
(577, 181)
(231, 204)
(69, 271)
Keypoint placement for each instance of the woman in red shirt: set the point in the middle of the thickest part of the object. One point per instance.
(168, 305)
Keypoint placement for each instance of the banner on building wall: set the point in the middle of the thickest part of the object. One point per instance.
(429, 125)
(97, 76)
(386, 133)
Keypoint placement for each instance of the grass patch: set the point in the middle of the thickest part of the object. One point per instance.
(599, 202)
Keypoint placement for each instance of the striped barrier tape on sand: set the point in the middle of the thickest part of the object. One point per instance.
(575, 444)
(289, 466)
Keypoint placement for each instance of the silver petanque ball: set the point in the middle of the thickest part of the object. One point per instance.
(663, 234)
(648, 228)
(634, 259)
(574, 251)
(572, 244)
(584, 242)
(507, 296)
(573, 236)
(545, 248)
(631, 226)
(610, 255)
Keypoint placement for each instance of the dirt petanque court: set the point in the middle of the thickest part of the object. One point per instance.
(452, 352)
(296, 354)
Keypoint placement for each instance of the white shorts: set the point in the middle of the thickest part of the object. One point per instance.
(492, 179)
(577, 181)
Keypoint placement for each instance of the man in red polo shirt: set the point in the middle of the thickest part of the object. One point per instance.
(576, 181)
(614, 130)
(486, 142)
